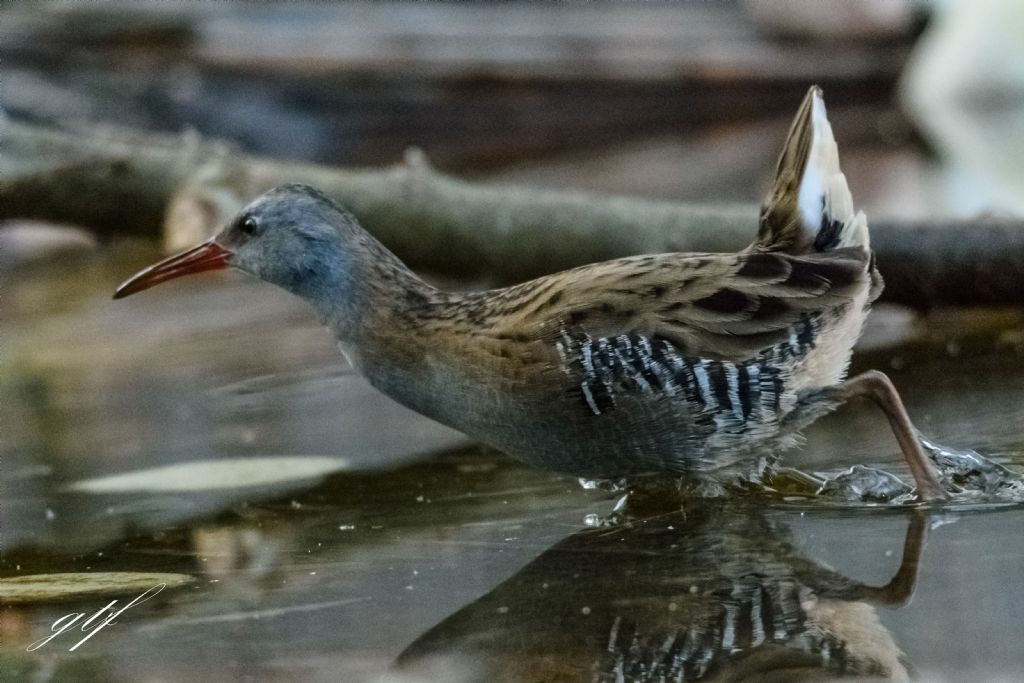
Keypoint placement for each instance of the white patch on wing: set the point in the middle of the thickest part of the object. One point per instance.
(756, 617)
(590, 399)
(729, 632)
(701, 373)
(732, 376)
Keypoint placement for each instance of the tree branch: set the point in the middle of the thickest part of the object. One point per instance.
(184, 187)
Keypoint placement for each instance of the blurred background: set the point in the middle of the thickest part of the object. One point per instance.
(613, 97)
(211, 430)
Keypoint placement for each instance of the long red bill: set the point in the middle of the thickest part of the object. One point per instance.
(207, 256)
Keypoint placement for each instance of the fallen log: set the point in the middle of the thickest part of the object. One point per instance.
(184, 187)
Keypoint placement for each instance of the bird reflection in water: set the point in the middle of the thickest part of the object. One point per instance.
(716, 593)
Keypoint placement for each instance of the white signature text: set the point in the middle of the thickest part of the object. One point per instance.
(94, 623)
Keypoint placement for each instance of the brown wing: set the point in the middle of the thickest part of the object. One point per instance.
(728, 306)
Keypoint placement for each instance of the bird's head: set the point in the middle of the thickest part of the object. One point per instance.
(292, 236)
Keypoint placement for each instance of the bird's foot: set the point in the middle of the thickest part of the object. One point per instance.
(962, 473)
(857, 484)
(620, 514)
(968, 472)
(609, 485)
(866, 484)
(645, 497)
(789, 481)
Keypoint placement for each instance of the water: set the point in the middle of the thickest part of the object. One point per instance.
(386, 545)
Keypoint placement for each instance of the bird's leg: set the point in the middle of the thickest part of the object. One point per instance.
(898, 591)
(901, 587)
(878, 387)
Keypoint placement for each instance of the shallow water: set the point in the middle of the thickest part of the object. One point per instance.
(385, 544)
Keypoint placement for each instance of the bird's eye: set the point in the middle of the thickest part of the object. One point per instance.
(249, 226)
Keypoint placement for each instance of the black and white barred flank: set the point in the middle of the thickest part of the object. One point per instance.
(757, 612)
(731, 393)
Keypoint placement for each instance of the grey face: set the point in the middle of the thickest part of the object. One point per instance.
(293, 237)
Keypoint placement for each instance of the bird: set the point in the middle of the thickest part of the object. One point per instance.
(704, 366)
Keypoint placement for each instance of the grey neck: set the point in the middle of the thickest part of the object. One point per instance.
(376, 289)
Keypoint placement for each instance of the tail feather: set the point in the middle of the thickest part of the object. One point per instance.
(809, 206)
